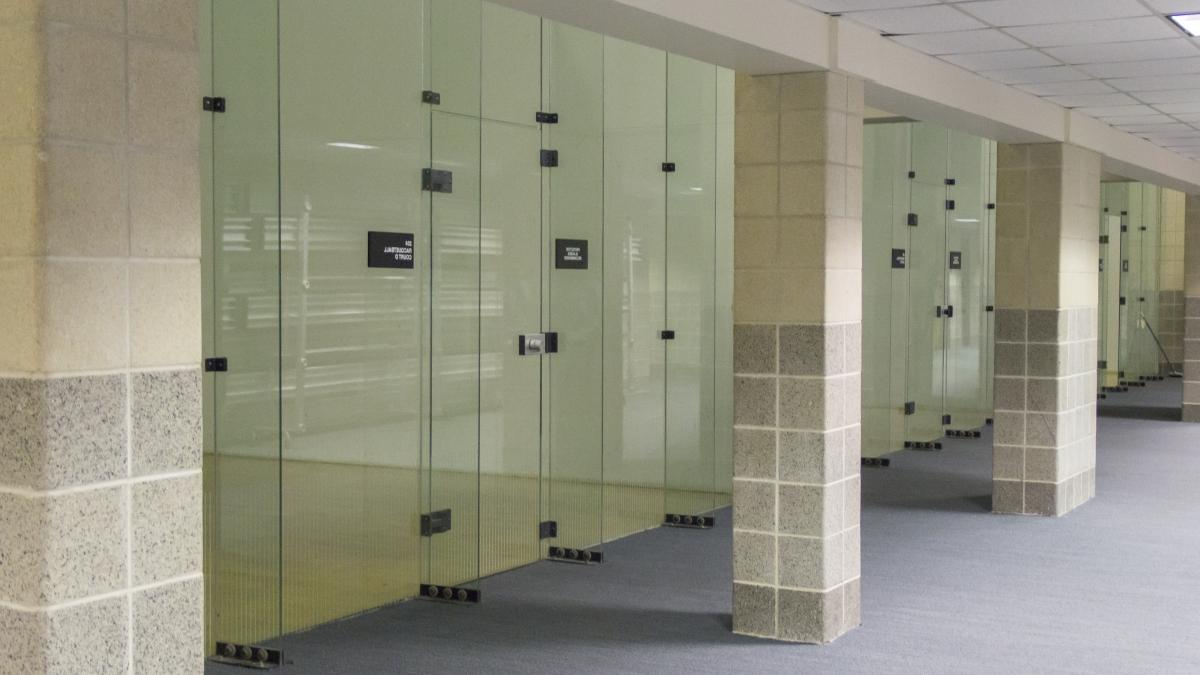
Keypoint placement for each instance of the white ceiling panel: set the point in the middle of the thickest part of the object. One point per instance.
(1025, 12)
(1156, 83)
(1173, 108)
(1153, 128)
(1190, 118)
(1168, 96)
(1032, 75)
(1095, 32)
(853, 5)
(1021, 58)
(1143, 68)
(962, 42)
(1158, 118)
(1091, 100)
(1141, 50)
(926, 19)
(1174, 6)
(1062, 88)
(1106, 112)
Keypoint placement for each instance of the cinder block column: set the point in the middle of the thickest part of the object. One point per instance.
(1191, 284)
(100, 416)
(1047, 245)
(797, 362)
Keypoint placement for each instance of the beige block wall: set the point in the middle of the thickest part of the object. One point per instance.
(99, 378)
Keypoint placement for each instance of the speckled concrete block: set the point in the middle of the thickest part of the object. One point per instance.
(89, 638)
(62, 432)
(22, 640)
(167, 527)
(61, 548)
(170, 615)
(166, 413)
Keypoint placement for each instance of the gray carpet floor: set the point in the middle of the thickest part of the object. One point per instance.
(947, 586)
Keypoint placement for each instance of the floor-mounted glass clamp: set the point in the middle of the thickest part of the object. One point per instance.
(694, 522)
(963, 433)
(922, 445)
(575, 555)
(247, 656)
(449, 593)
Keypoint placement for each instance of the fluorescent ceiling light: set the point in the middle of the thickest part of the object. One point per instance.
(353, 146)
(1190, 23)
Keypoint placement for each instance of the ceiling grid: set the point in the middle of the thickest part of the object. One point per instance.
(1121, 61)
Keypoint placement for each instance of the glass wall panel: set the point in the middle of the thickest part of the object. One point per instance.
(241, 460)
(723, 393)
(691, 292)
(1150, 230)
(885, 286)
(351, 378)
(635, 140)
(1109, 303)
(573, 87)
(453, 476)
(511, 290)
(967, 247)
(927, 283)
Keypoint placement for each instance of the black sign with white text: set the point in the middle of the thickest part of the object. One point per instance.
(956, 260)
(571, 254)
(899, 259)
(390, 249)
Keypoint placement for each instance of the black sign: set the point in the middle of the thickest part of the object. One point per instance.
(390, 249)
(571, 254)
(1124, 265)
(899, 259)
(956, 260)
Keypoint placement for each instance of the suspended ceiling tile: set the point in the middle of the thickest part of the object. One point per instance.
(1143, 68)
(1033, 75)
(1174, 6)
(1190, 118)
(926, 19)
(1141, 50)
(1168, 96)
(1027, 12)
(1169, 127)
(837, 6)
(1091, 100)
(1106, 111)
(1158, 118)
(1019, 58)
(1095, 32)
(1175, 108)
(1156, 83)
(961, 42)
(1063, 88)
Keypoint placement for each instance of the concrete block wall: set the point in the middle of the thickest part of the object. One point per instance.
(100, 420)
(797, 356)
(1047, 245)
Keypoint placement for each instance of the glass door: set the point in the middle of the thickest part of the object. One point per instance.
(573, 222)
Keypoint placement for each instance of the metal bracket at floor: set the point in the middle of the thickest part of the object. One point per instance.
(964, 433)
(579, 556)
(450, 593)
(922, 445)
(247, 656)
(693, 522)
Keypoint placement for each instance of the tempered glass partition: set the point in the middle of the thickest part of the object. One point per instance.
(402, 197)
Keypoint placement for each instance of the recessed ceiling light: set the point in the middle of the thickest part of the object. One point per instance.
(1190, 23)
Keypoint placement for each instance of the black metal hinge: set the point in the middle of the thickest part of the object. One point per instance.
(1124, 228)
(1122, 301)
(1104, 239)
(431, 97)
(548, 529)
(436, 180)
(949, 311)
(949, 204)
(1124, 213)
(436, 522)
(549, 158)
(546, 118)
(1102, 364)
(551, 343)
(667, 334)
(251, 656)
(910, 408)
(214, 104)
(912, 174)
(945, 419)
(216, 364)
(991, 207)
(989, 308)
(668, 167)
(1143, 228)
(951, 181)
(912, 220)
